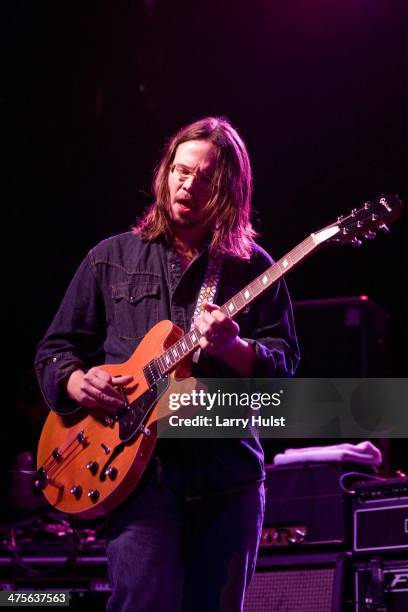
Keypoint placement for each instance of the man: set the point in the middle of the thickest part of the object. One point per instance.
(186, 539)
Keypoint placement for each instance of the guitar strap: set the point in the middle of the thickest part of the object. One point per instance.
(207, 291)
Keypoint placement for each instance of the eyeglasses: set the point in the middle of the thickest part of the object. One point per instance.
(184, 173)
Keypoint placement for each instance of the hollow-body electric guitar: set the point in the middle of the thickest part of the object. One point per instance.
(89, 462)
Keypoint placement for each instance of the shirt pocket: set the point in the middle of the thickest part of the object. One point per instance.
(136, 308)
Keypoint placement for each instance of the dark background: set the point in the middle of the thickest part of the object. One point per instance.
(317, 89)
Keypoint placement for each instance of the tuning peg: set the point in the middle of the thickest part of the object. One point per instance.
(340, 219)
(370, 235)
(354, 212)
(367, 205)
(356, 242)
(374, 217)
(384, 228)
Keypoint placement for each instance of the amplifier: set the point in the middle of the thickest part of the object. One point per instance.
(381, 488)
(297, 582)
(380, 515)
(306, 505)
(381, 584)
(380, 525)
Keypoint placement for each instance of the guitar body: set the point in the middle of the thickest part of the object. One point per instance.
(75, 451)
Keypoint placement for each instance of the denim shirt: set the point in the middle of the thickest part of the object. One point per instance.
(126, 285)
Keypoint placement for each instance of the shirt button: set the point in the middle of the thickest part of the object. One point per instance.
(54, 359)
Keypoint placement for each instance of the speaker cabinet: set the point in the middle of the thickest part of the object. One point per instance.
(381, 584)
(297, 583)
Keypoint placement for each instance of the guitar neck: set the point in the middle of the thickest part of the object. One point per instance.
(190, 342)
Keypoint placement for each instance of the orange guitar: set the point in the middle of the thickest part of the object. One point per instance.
(88, 463)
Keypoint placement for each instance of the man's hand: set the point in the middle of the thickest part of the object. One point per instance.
(220, 332)
(96, 389)
(221, 339)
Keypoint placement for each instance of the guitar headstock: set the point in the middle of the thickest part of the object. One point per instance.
(362, 223)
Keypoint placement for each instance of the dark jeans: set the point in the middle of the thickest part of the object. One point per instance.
(167, 553)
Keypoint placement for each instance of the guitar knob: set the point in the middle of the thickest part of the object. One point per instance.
(92, 466)
(93, 495)
(76, 491)
(111, 472)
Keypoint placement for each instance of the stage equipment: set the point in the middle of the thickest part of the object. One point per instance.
(297, 583)
(380, 516)
(50, 552)
(306, 505)
(381, 585)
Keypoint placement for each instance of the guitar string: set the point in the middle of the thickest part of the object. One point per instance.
(51, 456)
(88, 431)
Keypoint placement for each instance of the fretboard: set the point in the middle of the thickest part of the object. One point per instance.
(189, 343)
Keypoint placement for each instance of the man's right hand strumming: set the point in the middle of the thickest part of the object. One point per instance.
(97, 389)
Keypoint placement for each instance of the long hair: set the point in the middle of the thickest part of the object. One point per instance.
(229, 206)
